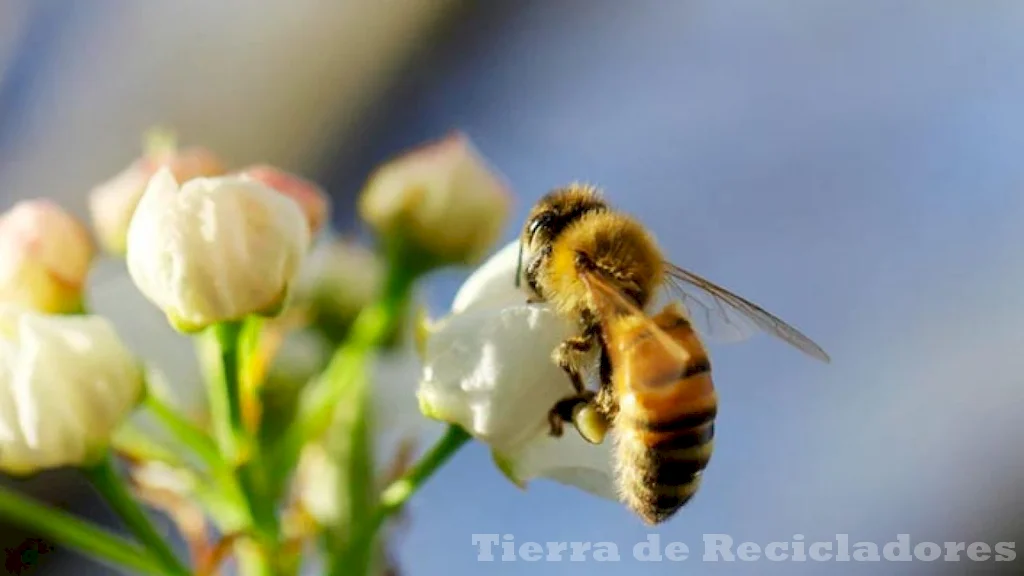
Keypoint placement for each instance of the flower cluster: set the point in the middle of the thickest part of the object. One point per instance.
(318, 363)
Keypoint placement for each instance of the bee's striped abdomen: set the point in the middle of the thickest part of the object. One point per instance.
(665, 422)
(660, 465)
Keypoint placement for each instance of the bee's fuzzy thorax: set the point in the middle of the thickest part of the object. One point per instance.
(615, 244)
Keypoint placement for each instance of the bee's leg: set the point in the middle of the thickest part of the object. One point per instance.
(565, 357)
(566, 353)
(605, 402)
(556, 422)
(605, 399)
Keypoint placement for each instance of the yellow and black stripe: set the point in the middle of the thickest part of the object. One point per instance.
(665, 420)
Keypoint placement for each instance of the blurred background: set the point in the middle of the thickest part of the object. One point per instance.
(855, 167)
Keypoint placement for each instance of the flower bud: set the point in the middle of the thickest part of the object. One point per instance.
(215, 249)
(442, 197)
(112, 203)
(66, 384)
(338, 279)
(45, 256)
(311, 199)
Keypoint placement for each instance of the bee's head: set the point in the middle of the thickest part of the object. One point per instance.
(556, 211)
(553, 213)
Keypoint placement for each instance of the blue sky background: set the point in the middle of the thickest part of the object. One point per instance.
(855, 167)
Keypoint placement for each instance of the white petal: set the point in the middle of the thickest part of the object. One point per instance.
(569, 460)
(148, 260)
(490, 371)
(68, 382)
(492, 285)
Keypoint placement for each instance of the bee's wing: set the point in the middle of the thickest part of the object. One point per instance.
(721, 315)
(610, 303)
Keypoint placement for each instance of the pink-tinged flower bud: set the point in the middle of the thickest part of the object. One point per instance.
(443, 197)
(113, 202)
(311, 198)
(45, 256)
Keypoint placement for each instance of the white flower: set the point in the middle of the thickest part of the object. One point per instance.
(442, 196)
(488, 368)
(66, 384)
(215, 250)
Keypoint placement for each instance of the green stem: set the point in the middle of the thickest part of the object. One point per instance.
(185, 432)
(228, 490)
(360, 491)
(229, 422)
(109, 483)
(375, 326)
(399, 491)
(359, 554)
(75, 533)
(254, 490)
(246, 455)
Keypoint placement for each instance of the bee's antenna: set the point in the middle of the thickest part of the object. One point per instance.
(519, 266)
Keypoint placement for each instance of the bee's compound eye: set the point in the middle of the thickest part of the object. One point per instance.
(538, 223)
(534, 225)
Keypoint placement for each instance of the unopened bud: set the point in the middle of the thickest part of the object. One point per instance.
(45, 256)
(314, 203)
(112, 203)
(215, 249)
(444, 198)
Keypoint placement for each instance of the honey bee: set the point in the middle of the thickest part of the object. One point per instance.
(602, 268)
